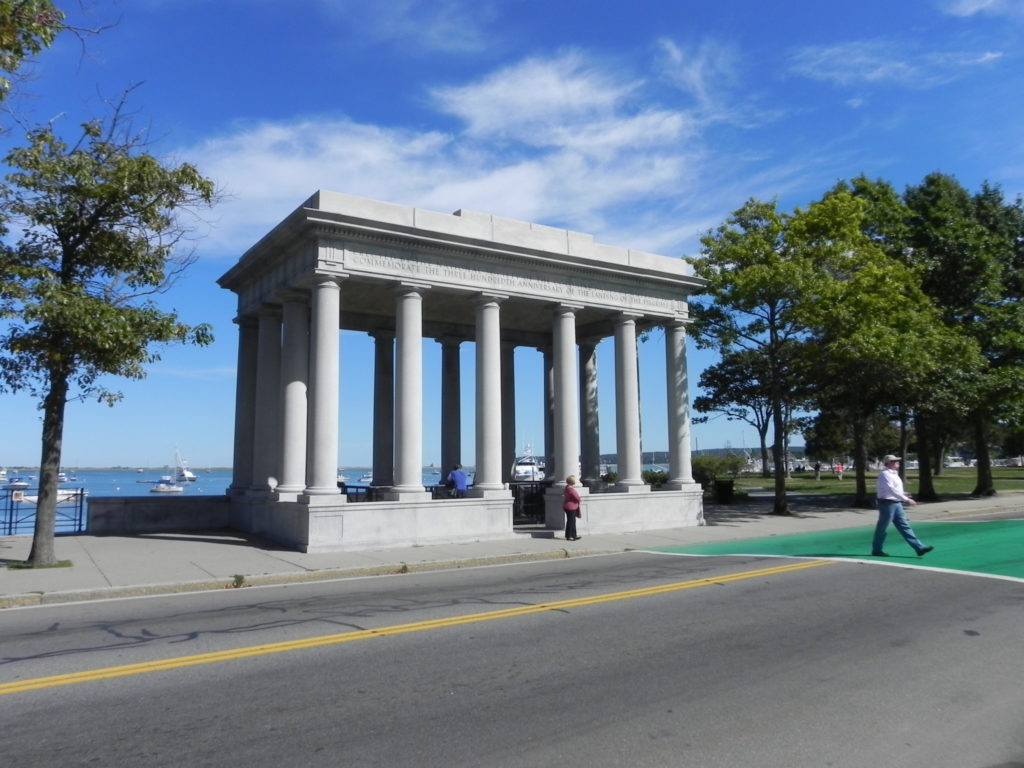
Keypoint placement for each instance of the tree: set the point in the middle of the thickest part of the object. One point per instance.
(758, 276)
(863, 359)
(970, 253)
(736, 388)
(26, 28)
(100, 230)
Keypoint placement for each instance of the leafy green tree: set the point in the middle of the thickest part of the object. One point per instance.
(100, 232)
(969, 251)
(759, 273)
(736, 388)
(878, 341)
(26, 28)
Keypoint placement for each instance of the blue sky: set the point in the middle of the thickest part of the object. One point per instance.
(644, 123)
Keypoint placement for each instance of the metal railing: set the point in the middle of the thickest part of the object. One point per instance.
(18, 511)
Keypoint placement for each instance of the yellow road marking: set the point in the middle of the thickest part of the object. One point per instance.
(74, 678)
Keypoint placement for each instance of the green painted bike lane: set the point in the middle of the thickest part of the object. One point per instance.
(993, 548)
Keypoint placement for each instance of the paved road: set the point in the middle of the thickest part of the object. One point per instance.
(633, 660)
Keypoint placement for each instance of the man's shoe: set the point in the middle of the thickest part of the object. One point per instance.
(925, 551)
(879, 554)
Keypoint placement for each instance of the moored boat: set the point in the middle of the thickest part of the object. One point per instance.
(528, 468)
(166, 484)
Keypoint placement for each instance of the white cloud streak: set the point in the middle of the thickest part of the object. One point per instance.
(877, 62)
(967, 8)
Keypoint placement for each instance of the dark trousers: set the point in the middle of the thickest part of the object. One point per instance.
(570, 523)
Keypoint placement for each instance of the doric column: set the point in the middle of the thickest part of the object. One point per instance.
(589, 430)
(627, 405)
(508, 409)
(566, 392)
(324, 391)
(383, 470)
(487, 479)
(409, 394)
(245, 405)
(548, 449)
(451, 404)
(266, 445)
(680, 471)
(294, 382)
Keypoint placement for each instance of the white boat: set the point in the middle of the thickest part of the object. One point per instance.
(342, 477)
(16, 484)
(63, 497)
(166, 484)
(528, 468)
(366, 477)
(183, 474)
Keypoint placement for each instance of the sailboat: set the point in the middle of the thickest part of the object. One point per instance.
(183, 474)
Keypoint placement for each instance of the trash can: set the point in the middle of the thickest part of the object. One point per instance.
(724, 491)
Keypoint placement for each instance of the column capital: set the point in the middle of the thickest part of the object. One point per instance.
(564, 307)
(487, 297)
(329, 277)
(406, 287)
(626, 315)
(269, 310)
(677, 322)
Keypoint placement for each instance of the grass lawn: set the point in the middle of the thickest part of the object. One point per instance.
(952, 481)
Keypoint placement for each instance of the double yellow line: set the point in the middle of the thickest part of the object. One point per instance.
(75, 678)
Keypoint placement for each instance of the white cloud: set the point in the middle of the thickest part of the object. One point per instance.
(566, 141)
(446, 26)
(881, 62)
(703, 71)
(965, 8)
(537, 101)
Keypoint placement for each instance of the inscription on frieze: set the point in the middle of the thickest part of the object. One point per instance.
(451, 273)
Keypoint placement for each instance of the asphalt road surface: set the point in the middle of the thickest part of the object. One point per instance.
(635, 660)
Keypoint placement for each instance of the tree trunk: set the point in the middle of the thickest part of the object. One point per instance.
(925, 486)
(939, 463)
(860, 462)
(904, 443)
(765, 464)
(43, 552)
(985, 485)
(778, 460)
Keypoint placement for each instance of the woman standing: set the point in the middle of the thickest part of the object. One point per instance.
(571, 506)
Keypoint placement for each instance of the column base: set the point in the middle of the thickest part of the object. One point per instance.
(313, 499)
(259, 493)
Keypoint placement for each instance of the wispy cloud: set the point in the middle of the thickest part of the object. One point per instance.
(429, 26)
(705, 71)
(965, 8)
(884, 62)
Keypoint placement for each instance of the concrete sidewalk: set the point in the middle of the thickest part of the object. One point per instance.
(117, 566)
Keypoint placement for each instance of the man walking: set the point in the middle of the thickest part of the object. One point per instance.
(890, 499)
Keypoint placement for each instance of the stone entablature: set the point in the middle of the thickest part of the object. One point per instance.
(465, 252)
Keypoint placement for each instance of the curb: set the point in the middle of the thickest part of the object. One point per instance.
(34, 599)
